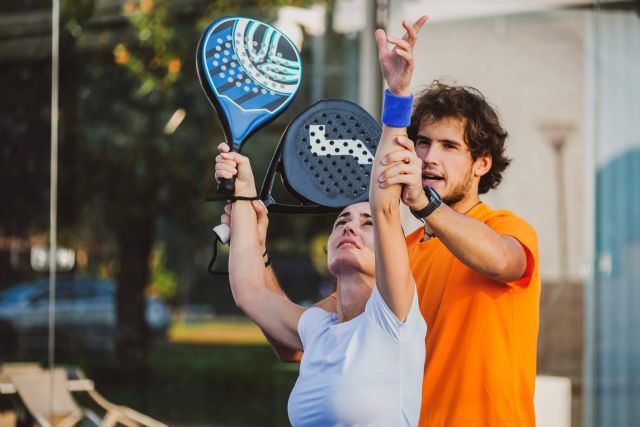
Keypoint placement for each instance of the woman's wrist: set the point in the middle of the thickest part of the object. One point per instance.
(396, 109)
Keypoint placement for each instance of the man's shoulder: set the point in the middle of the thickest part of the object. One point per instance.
(506, 222)
(496, 218)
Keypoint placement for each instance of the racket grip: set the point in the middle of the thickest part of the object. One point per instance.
(223, 232)
(227, 187)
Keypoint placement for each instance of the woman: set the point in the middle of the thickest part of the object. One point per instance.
(363, 364)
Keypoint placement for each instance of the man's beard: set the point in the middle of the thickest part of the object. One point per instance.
(460, 192)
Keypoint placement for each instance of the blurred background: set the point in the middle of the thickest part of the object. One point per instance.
(134, 306)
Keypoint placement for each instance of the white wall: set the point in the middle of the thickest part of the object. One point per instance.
(531, 67)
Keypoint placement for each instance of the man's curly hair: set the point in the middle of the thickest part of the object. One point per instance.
(482, 130)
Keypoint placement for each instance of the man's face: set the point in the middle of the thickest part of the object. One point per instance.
(447, 165)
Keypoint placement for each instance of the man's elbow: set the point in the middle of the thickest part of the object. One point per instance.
(506, 270)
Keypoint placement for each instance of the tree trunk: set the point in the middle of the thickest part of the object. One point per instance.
(135, 238)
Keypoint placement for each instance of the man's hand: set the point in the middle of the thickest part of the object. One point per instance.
(404, 167)
(397, 64)
(262, 216)
(230, 164)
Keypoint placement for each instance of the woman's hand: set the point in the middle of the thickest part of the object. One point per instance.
(262, 217)
(397, 64)
(230, 164)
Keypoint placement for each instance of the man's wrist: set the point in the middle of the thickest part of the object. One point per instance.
(434, 201)
(420, 202)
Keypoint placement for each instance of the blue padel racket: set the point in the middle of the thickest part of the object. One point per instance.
(250, 72)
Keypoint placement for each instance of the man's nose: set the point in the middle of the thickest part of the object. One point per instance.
(431, 155)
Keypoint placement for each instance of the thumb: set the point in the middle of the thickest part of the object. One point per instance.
(381, 40)
(406, 143)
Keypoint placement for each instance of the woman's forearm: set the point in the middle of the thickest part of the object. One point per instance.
(247, 274)
(393, 276)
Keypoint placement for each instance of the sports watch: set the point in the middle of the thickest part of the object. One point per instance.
(434, 201)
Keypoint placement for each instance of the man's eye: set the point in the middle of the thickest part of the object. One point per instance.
(423, 142)
(450, 146)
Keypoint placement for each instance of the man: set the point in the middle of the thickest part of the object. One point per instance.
(476, 268)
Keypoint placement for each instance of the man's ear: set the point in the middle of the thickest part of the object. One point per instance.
(482, 166)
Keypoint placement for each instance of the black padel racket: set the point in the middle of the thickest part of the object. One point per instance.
(324, 158)
(250, 72)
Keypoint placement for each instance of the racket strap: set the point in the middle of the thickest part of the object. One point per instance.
(230, 198)
(214, 255)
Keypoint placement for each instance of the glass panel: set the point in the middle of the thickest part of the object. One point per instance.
(615, 295)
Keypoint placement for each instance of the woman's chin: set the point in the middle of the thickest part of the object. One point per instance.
(347, 263)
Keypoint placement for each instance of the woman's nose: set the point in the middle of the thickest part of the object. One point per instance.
(349, 228)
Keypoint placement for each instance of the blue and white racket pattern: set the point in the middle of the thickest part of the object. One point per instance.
(252, 70)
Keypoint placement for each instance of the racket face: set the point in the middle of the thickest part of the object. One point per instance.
(328, 151)
(250, 71)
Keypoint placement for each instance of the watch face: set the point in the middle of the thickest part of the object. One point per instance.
(432, 194)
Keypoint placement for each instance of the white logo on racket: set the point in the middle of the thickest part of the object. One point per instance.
(322, 146)
(262, 61)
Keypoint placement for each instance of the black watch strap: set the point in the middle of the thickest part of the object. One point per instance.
(434, 202)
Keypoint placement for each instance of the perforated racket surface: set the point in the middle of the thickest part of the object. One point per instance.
(250, 72)
(324, 158)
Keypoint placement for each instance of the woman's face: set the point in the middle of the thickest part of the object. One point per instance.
(350, 245)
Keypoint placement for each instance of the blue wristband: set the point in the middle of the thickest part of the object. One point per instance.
(396, 110)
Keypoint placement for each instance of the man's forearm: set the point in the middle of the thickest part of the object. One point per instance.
(476, 245)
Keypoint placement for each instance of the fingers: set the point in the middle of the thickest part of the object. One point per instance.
(260, 208)
(223, 147)
(400, 172)
(225, 171)
(400, 156)
(406, 155)
(403, 49)
(227, 163)
(406, 55)
(420, 22)
(225, 218)
(399, 43)
(405, 179)
(412, 30)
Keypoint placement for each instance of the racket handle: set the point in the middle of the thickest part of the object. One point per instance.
(227, 187)
(223, 232)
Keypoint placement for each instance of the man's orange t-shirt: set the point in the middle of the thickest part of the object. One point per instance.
(482, 335)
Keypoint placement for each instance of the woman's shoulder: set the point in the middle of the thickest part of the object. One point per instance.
(313, 322)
